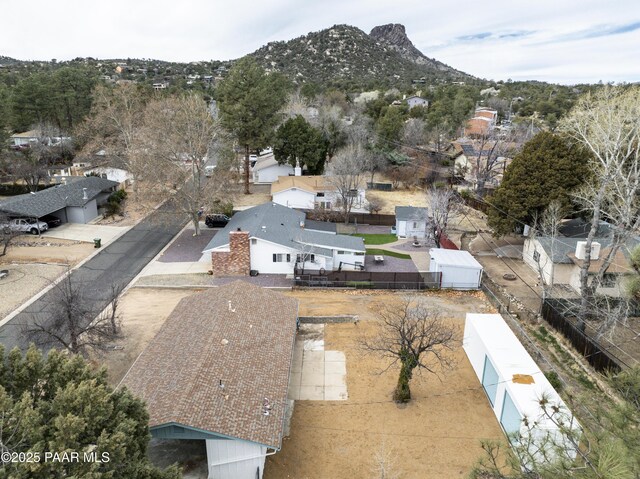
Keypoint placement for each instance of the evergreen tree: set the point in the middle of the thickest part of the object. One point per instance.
(297, 140)
(548, 168)
(250, 100)
(59, 404)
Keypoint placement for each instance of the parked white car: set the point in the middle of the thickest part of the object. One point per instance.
(25, 225)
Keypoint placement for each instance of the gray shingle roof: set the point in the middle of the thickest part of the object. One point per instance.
(411, 213)
(560, 248)
(320, 226)
(281, 225)
(239, 334)
(55, 198)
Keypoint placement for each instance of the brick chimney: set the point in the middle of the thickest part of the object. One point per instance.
(236, 261)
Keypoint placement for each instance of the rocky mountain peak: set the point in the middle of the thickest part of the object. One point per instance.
(394, 34)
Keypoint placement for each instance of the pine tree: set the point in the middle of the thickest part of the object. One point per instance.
(59, 404)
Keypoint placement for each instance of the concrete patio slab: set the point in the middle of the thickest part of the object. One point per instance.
(316, 374)
(334, 356)
(334, 381)
(335, 367)
(335, 393)
(312, 378)
(311, 393)
(313, 356)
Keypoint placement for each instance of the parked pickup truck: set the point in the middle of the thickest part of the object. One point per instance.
(24, 225)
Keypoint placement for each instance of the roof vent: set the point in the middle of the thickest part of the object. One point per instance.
(238, 229)
(264, 228)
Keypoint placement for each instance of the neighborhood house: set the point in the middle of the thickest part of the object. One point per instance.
(411, 222)
(218, 371)
(271, 238)
(557, 260)
(77, 201)
(309, 192)
(267, 169)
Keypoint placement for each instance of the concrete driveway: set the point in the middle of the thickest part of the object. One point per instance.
(86, 233)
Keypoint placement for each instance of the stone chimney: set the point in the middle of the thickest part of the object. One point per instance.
(236, 261)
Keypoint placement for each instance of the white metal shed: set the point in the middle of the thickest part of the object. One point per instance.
(459, 269)
(514, 385)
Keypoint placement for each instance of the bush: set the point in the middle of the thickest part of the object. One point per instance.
(553, 378)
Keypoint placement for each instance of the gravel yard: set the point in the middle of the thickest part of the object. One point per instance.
(23, 282)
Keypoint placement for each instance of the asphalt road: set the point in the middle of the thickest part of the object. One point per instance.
(117, 263)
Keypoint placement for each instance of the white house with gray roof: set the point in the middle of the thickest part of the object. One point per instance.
(274, 239)
(557, 260)
(411, 222)
(74, 202)
(267, 169)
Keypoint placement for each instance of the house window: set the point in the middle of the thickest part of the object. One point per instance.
(415, 224)
(536, 256)
(320, 195)
(254, 241)
(360, 253)
(312, 258)
(342, 252)
(278, 257)
(288, 258)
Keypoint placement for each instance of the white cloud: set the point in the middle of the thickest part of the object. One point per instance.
(565, 41)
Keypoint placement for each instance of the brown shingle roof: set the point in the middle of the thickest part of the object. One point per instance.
(312, 184)
(238, 333)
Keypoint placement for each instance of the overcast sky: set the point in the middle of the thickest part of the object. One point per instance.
(564, 41)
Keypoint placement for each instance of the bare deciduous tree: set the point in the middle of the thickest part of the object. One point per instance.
(74, 323)
(416, 337)
(443, 206)
(176, 137)
(606, 123)
(112, 126)
(6, 234)
(346, 173)
(548, 227)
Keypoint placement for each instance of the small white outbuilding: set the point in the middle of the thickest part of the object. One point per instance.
(514, 386)
(459, 269)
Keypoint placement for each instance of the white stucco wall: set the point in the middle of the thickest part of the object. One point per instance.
(113, 174)
(271, 173)
(614, 291)
(262, 257)
(348, 258)
(406, 229)
(233, 459)
(562, 272)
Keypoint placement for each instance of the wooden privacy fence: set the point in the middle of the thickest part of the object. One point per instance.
(601, 359)
(372, 219)
(370, 280)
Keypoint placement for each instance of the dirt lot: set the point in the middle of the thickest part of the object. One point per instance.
(434, 436)
(33, 249)
(143, 313)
